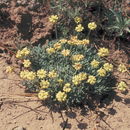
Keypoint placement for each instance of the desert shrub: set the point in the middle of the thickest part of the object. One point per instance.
(66, 71)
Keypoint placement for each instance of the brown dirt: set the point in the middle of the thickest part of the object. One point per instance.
(20, 109)
(22, 24)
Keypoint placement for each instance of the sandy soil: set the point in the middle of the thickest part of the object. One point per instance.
(19, 110)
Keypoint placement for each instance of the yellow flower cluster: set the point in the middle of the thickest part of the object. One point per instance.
(26, 63)
(9, 69)
(29, 75)
(92, 26)
(77, 66)
(52, 74)
(53, 18)
(43, 95)
(122, 86)
(23, 52)
(44, 84)
(63, 41)
(57, 46)
(122, 68)
(101, 72)
(65, 52)
(78, 19)
(50, 50)
(108, 67)
(95, 63)
(103, 52)
(61, 96)
(91, 79)
(79, 28)
(75, 41)
(77, 57)
(67, 88)
(77, 79)
(41, 73)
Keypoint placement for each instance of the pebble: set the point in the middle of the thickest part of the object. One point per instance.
(19, 128)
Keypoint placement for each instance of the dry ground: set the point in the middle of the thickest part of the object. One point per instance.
(17, 109)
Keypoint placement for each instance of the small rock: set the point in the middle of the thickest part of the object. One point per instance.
(19, 128)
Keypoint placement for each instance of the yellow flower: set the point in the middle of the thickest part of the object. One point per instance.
(25, 51)
(78, 19)
(52, 74)
(43, 95)
(92, 26)
(23, 74)
(9, 69)
(77, 66)
(31, 75)
(79, 28)
(101, 72)
(122, 86)
(18, 54)
(103, 52)
(26, 63)
(41, 73)
(57, 46)
(76, 79)
(122, 68)
(67, 88)
(50, 50)
(65, 52)
(82, 76)
(63, 41)
(95, 63)
(91, 79)
(44, 84)
(77, 57)
(108, 67)
(85, 42)
(61, 96)
(53, 18)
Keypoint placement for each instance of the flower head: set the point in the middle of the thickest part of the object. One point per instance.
(61, 96)
(92, 26)
(67, 88)
(53, 18)
(122, 86)
(50, 50)
(44, 84)
(79, 28)
(57, 46)
(24, 52)
(41, 73)
(26, 63)
(103, 52)
(95, 63)
(43, 95)
(122, 68)
(77, 57)
(77, 66)
(9, 69)
(108, 67)
(63, 41)
(65, 52)
(78, 19)
(91, 79)
(52, 74)
(101, 72)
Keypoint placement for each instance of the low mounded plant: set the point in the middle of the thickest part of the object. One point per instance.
(67, 71)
